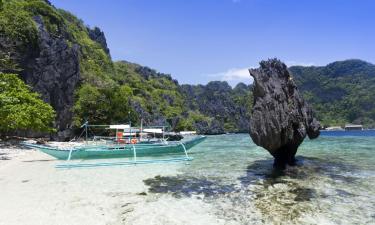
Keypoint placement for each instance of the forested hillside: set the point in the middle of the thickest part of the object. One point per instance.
(141, 93)
(340, 92)
(69, 64)
(228, 108)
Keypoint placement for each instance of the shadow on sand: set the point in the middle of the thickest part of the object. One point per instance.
(39, 160)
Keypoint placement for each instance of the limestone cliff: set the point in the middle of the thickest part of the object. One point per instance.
(98, 36)
(51, 68)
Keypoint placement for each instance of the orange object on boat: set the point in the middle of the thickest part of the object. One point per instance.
(119, 136)
(133, 141)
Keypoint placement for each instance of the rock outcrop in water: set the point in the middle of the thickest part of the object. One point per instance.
(281, 118)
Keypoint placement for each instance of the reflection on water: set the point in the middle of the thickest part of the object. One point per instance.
(333, 183)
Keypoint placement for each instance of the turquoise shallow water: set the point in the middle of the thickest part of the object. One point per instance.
(332, 184)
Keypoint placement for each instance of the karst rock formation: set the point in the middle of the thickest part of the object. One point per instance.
(280, 118)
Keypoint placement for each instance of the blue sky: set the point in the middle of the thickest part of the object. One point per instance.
(201, 40)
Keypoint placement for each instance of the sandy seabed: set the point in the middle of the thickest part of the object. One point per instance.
(33, 191)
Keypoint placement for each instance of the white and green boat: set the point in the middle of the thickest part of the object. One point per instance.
(97, 151)
(128, 143)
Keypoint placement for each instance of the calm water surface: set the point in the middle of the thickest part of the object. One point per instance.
(332, 184)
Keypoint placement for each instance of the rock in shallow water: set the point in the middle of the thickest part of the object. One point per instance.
(281, 118)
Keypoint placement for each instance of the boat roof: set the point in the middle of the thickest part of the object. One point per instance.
(153, 130)
(353, 125)
(119, 126)
(187, 132)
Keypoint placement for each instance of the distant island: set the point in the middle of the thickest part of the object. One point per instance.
(70, 66)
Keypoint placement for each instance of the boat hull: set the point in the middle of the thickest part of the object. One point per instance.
(121, 151)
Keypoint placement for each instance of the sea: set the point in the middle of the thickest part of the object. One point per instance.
(333, 182)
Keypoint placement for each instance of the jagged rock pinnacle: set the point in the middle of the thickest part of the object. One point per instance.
(281, 118)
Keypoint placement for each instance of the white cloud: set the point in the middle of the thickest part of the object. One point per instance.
(234, 75)
(295, 63)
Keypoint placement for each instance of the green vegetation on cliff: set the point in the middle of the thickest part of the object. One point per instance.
(21, 109)
(227, 108)
(130, 97)
(341, 92)
(109, 92)
(96, 66)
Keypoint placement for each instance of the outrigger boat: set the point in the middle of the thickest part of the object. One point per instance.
(129, 146)
(118, 150)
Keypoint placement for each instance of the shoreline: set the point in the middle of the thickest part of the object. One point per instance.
(35, 192)
(207, 191)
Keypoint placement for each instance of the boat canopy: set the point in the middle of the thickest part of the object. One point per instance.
(153, 130)
(119, 126)
(188, 132)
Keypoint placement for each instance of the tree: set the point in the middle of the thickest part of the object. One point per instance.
(22, 109)
(121, 109)
(93, 104)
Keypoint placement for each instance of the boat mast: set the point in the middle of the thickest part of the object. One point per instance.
(86, 133)
(130, 127)
(163, 132)
(140, 136)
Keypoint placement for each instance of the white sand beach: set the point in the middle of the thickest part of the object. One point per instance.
(33, 191)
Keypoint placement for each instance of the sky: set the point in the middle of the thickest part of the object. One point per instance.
(197, 41)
